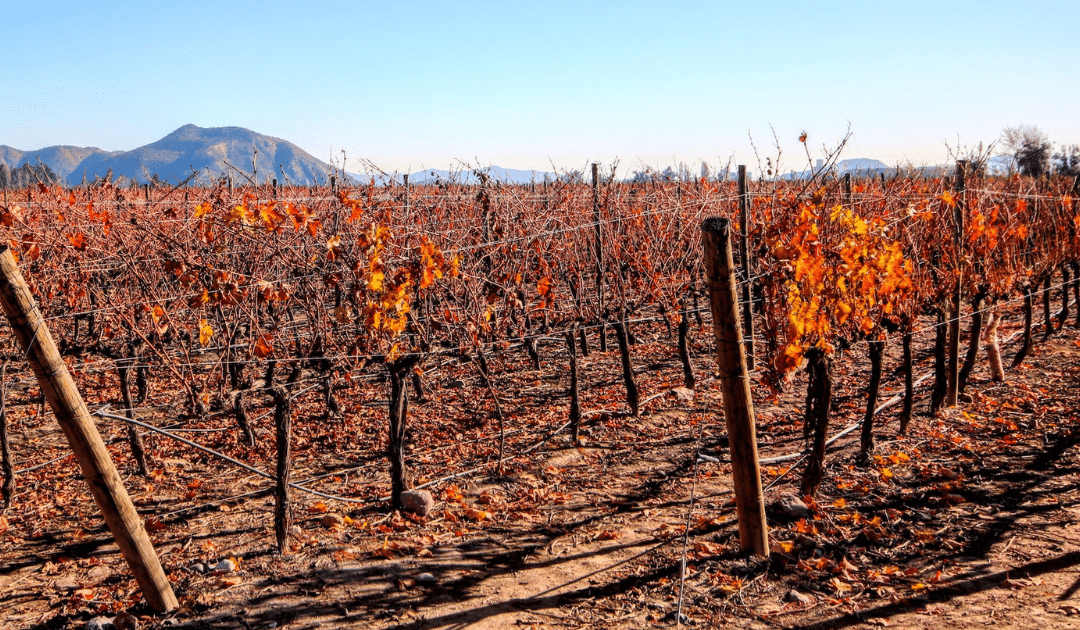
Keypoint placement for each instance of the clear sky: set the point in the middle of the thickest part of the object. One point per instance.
(410, 85)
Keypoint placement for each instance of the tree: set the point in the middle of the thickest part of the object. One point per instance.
(1030, 147)
(1067, 160)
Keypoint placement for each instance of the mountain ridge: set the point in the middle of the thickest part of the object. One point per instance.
(208, 151)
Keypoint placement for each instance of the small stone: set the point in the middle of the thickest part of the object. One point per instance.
(126, 621)
(66, 583)
(100, 623)
(332, 520)
(98, 573)
(198, 567)
(685, 394)
(426, 578)
(419, 502)
(798, 598)
(792, 507)
(225, 566)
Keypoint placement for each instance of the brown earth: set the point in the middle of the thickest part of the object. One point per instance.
(970, 520)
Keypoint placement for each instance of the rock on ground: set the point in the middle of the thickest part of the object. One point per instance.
(419, 502)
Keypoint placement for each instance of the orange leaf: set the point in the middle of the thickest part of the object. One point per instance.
(78, 241)
(263, 348)
(474, 514)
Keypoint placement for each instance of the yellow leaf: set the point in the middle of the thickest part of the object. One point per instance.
(375, 282)
(205, 332)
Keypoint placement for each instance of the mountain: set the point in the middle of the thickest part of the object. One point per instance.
(207, 150)
(172, 159)
(861, 166)
(63, 160)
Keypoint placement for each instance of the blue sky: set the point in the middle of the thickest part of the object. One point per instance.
(524, 85)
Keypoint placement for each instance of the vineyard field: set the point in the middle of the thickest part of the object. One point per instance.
(541, 360)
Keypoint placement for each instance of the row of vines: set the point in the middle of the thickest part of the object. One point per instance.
(245, 293)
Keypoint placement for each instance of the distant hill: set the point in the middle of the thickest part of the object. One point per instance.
(869, 167)
(172, 159)
(63, 160)
(860, 165)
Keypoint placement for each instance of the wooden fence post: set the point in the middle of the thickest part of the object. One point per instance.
(744, 255)
(953, 367)
(599, 255)
(735, 385)
(283, 432)
(74, 418)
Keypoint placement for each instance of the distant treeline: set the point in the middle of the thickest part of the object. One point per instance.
(26, 175)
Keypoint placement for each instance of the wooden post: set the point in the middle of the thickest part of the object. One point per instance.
(406, 209)
(283, 431)
(744, 256)
(575, 401)
(74, 418)
(951, 394)
(735, 385)
(599, 255)
(7, 466)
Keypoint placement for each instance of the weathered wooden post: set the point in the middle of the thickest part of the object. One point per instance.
(735, 385)
(744, 255)
(951, 394)
(97, 467)
(283, 432)
(599, 255)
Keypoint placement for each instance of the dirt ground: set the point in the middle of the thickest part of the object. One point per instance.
(970, 520)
